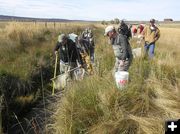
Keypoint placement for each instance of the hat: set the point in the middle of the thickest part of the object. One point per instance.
(61, 37)
(73, 37)
(152, 20)
(108, 29)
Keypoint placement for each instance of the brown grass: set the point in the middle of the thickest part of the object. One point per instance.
(96, 106)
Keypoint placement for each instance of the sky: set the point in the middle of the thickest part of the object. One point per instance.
(92, 9)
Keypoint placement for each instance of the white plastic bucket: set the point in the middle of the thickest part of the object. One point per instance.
(137, 52)
(79, 73)
(61, 81)
(121, 78)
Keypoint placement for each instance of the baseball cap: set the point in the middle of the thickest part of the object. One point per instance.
(108, 29)
(61, 38)
(152, 20)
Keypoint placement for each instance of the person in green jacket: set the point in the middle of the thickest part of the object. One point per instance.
(121, 47)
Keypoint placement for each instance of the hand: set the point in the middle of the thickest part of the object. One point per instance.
(56, 52)
(121, 62)
(80, 66)
(155, 39)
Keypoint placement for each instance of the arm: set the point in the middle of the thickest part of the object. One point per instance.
(144, 31)
(56, 47)
(79, 58)
(157, 35)
(74, 53)
(124, 46)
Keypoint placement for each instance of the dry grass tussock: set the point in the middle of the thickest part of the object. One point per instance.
(26, 51)
(26, 45)
(96, 106)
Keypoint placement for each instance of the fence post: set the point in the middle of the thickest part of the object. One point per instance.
(54, 24)
(46, 24)
(35, 23)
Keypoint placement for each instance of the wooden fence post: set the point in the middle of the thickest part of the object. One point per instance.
(54, 24)
(46, 24)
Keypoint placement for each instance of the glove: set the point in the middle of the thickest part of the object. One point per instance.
(121, 63)
(56, 52)
(61, 62)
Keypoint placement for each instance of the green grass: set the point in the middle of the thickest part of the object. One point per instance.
(26, 50)
(95, 105)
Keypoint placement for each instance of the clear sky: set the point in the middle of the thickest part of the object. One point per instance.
(93, 9)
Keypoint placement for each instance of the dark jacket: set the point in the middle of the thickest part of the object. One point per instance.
(68, 52)
(84, 46)
(125, 30)
(122, 48)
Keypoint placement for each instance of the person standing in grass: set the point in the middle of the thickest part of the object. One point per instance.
(83, 47)
(121, 47)
(141, 28)
(69, 54)
(151, 34)
(88, 35)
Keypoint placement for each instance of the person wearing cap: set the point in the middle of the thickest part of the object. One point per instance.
(88, 35)
(121, 47)
(151, 34)
(69, 54)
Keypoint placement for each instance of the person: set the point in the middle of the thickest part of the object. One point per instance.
(69, 56)
(151, 34)
(139, 32)
(83, 48)
(141, 28)
(88, 35)
(134, 31)
(85, 33)
(122, 49)
(124, 29)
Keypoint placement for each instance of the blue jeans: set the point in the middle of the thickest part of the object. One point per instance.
(149, 48)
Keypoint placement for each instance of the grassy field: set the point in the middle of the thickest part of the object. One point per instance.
(26, 52)
(96, 106)
(93, 105)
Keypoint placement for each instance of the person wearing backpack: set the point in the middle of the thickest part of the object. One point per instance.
(69, 54)
(151, 34)
(125, 30)
(88, 35)
(83, 48)
(121, 47)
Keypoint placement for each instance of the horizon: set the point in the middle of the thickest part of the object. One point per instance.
(129, 10)
(82, 20)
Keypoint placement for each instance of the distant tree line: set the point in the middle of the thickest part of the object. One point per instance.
(113, 21)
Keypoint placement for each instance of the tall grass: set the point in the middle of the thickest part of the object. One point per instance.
(26, 49)
(95, 105)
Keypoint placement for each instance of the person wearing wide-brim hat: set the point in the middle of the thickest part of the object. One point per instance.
(151, 34)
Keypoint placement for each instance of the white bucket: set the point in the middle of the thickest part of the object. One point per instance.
(61, 81)
(137, 52)
(79, 73)
(121, 78)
